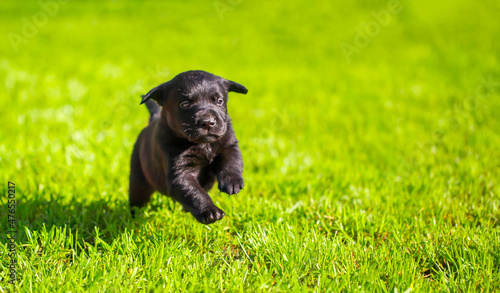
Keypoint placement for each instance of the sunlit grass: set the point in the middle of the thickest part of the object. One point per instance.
(378, 172)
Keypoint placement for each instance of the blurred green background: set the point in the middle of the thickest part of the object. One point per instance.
(368, 125)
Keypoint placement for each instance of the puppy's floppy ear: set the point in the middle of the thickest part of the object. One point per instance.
(157, 93)
(235, 87)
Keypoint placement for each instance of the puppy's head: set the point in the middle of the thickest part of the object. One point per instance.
(195, 104)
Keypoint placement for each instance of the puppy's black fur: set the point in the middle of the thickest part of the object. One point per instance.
(188, 144)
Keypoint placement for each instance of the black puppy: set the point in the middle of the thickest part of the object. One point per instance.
(188, 144)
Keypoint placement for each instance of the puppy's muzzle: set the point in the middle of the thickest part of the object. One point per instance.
(207, 120)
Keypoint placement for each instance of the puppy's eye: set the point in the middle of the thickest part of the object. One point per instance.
(184, 105)
(220, 101)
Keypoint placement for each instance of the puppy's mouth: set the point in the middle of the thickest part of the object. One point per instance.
(206, 138)
(202, 135)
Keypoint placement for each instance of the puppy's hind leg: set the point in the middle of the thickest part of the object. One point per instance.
(139, 194)
(140, 190)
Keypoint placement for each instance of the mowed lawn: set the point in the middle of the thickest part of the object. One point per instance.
(370, 136)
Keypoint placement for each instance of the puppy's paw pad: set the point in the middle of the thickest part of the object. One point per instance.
(230, 183)
(210, 215)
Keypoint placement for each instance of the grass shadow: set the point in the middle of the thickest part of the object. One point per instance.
(84, 219)
(80, 217)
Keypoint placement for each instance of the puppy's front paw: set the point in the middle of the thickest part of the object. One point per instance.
(210, 215)
(230, 183)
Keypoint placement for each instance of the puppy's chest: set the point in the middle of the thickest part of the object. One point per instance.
(202, 154)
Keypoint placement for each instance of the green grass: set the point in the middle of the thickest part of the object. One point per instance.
(378, 172)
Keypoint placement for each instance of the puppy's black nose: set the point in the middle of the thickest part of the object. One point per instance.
(208, 123)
